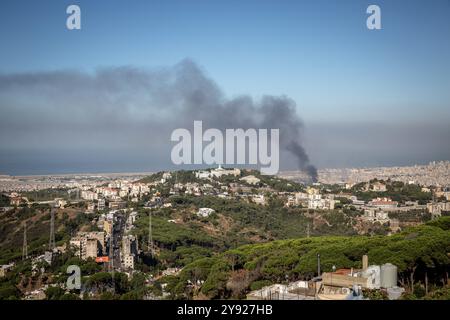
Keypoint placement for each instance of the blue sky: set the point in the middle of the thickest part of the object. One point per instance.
(318, 53)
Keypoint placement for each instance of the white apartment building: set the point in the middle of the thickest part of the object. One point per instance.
(205, 212)
(250, 179)
(89, 195)
(128, 261)
(101, 204)
(374, 215)
(224, 172)
(259, 199)
(383, 203)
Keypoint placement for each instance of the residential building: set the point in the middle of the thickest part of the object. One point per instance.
(375, 215)
(101, 204)
(89, 195)
(383, 203)
(250, 179)
(128, 261)
(224, 172)
(204, 212)
(259, 199)
(108, 226)
(436, 208)
(91, 248)
(60, 202)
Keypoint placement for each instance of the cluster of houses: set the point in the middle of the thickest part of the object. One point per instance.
(436, 208)
(312, 199)
(113, 195)
(95, 244)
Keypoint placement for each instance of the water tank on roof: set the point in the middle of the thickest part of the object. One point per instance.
(388, 275)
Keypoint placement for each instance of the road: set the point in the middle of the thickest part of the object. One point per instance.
(118, 231)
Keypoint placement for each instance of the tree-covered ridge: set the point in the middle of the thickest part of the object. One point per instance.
(188, 176)
(396, 190)
(418, 251)
(181, 235)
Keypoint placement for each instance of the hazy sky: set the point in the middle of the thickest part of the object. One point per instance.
(365, 97)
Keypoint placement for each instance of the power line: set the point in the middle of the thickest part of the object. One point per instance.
(25, 242)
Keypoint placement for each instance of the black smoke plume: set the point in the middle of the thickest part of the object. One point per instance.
(116, 111)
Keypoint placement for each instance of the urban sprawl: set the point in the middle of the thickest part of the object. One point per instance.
(216, 232)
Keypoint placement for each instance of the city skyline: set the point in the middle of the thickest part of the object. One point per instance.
(364, 97)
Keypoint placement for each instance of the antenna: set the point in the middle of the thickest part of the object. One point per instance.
(25, 243)
(51, 241)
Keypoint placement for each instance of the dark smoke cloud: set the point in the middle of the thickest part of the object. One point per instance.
(125, 109)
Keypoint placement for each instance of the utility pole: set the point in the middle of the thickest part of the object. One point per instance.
(25, 243)
(318, 264)
(51, 241)
(150, 235)
(111, 256)
(111, 248)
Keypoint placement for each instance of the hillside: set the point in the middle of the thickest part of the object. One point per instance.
(37, 219)
(415, 250)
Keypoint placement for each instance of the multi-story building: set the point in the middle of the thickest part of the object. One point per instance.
(129, 251)
(314, 201)
(129, 245)
(89, 244)
(123, 192)
(128, 261)
(436, 208)
(259, 199)
(107, 226)
(107, 192)
(117, 204)
(378, 187)
(250, 179)
(101, 204)
(90, 207)
(375, 215)
(60, 202)
(383, 203)
(91, 248)
(204, 212)
(89, 195)
(132, 217)
(224, 172)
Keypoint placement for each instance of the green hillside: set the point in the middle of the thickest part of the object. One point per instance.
(416, 251)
